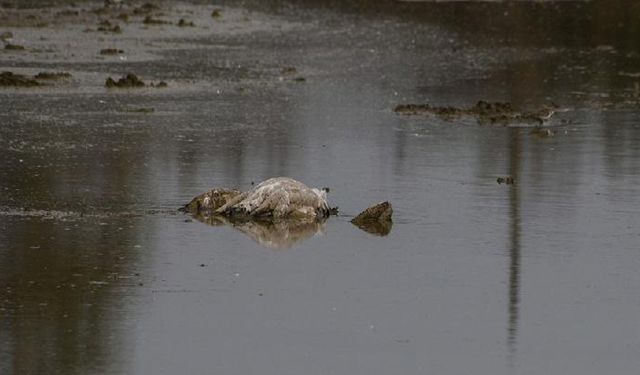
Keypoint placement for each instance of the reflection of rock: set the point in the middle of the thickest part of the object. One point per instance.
(274, 234)
(375, 219)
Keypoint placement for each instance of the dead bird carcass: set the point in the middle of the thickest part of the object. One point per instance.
(277, 198)
(280, 212)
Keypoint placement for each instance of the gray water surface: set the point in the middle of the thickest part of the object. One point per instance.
(100, 274)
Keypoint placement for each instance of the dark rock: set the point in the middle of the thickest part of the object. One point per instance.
(52, 75)
(111, 51)
(185, 23)
(216, 13)
(508, 180)
(375, 219)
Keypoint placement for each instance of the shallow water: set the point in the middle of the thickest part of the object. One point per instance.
(100, 274)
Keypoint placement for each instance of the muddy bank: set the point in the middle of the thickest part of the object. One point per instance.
(131, 81)
(486, 113)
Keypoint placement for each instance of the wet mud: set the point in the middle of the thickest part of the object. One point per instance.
(486, 113)
(17, 80)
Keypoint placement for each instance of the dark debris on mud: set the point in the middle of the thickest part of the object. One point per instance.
(52, 75)
(14, 47)
(111, 51)
(131, 81)
(492, 113)
(508, 180)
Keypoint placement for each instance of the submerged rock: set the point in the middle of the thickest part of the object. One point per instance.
(375, 219)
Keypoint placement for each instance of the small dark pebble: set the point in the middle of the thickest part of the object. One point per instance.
(216, 13)
(185, 23)
(505, 180)
(111, 51)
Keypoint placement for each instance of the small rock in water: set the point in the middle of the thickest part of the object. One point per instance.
(508, 180)
(375, 219)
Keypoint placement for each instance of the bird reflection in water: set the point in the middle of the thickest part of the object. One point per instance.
(274, 234)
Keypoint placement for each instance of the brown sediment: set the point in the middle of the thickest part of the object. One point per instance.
(14, 47)
(111, 51)
(52, 75)
(128, 81)
(17, 80)
(185, 23)
(289, 70)
(493, 113)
